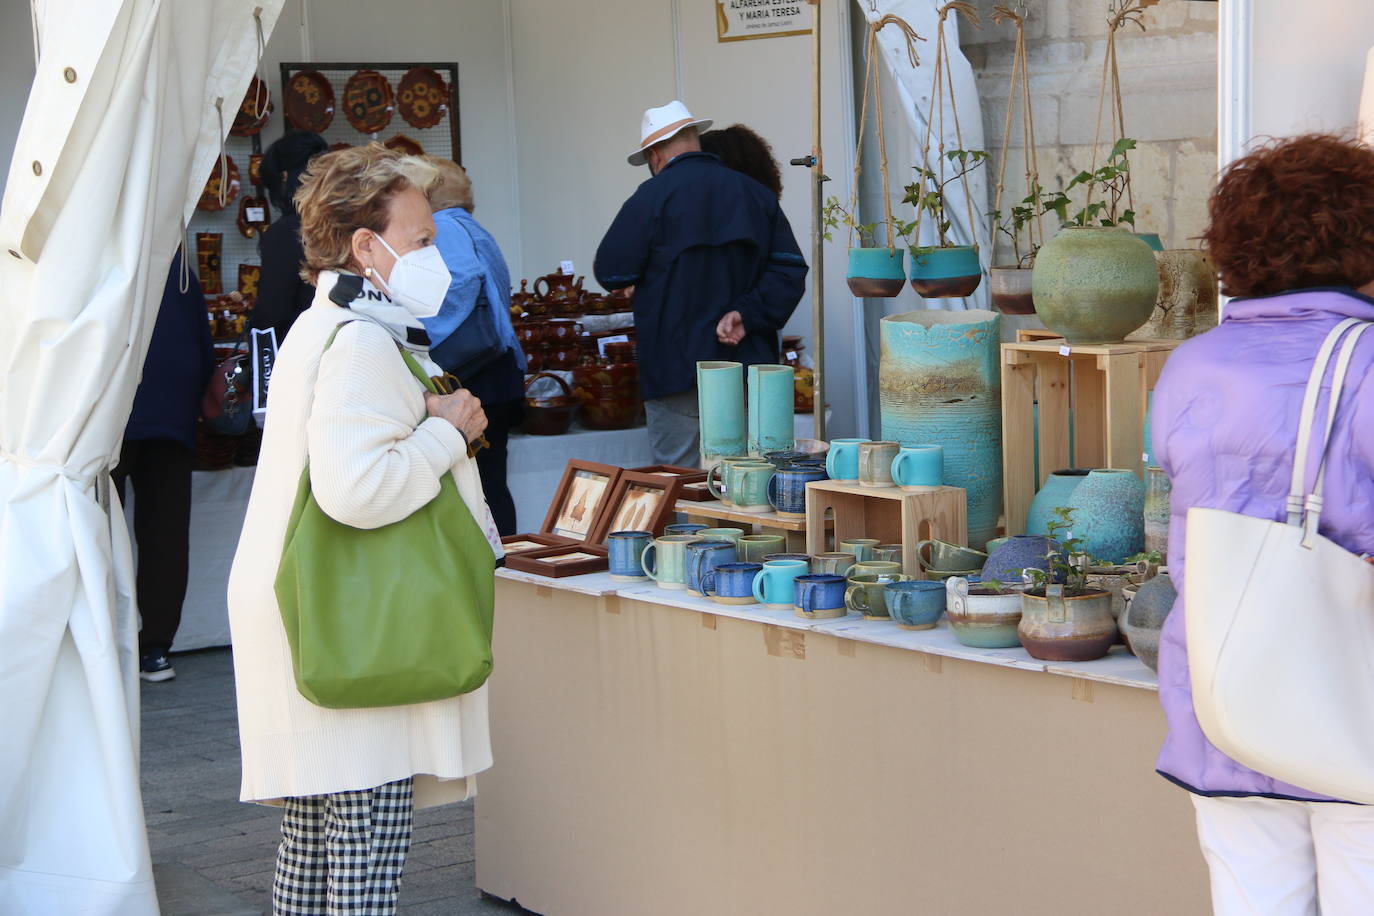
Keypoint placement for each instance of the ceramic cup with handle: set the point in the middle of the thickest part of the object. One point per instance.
(721, 472)
(819, 596)
(837, 564)
(842, 461)
(875, 567)
(805, 558)
(668, 567)
(625, 550)
(862, 548)
(748, 494)
(935, 554)
(702, 557)
(915, 605)
(890, 552)
(721, 534)
(865, 593)
(684, 528)
(775, 587)
(919, 466)
(753, 548)
(787, 489)
(875, 463)
(731, 583)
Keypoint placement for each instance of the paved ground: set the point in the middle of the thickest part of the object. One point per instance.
(213, 856)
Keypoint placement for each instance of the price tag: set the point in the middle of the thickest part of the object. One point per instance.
(1064, 351)
(601, 344)
(1145, 457)
(566, 267)
(255, 214)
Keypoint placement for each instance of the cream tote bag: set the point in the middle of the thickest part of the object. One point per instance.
(1281, 626)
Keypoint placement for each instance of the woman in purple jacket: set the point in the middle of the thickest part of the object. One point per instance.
(1292, 234)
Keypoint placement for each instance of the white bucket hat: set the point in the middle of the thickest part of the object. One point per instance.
(661, 123)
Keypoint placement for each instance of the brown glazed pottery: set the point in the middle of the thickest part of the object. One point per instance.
(557, 286)
(209, 198)
(549, 416)
(524, 297)
(368, 101)
(560, 330)
(875, 287)
(1010, 288)
(947, 287)
(309, 101)
(253, 111)
(609, 394)
(1066, 629)
(422, 97)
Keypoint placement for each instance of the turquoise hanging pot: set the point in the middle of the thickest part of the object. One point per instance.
(940, 384)
(945, 273)
(876, 273)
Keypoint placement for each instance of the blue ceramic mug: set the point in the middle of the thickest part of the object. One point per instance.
(731, 583)
(819, 596)
(915, 605)
(626, 548)
(787, 489)
(775, 586)
(919, 466)
(702, 557)
(684, 528)
(842, 461)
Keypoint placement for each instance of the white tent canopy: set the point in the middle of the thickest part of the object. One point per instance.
(120, 131)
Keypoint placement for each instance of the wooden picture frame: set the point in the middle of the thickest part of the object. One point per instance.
(577, 507)
(638, 502)
(557, 562)
(526, 543)
(684, 475)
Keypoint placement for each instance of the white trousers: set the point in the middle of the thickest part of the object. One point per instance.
(1287, 858)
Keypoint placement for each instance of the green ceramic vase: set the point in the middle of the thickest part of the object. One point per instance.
(1095, 284)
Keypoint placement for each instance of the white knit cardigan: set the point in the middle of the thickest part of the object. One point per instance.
(374, 459)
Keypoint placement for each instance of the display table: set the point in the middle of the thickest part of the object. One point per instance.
(656, 753)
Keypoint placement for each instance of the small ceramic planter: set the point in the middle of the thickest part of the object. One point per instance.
(1060, 628)
(1010, 288)
(945, 273)
(876, 273)
(980, 617)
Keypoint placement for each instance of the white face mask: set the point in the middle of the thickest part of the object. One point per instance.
(419, 280)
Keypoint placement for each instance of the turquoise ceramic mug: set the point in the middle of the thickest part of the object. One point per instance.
(668, 568)
(842, 461)
(749, 486)
(774, 586)
(721, 534)
(919, 466)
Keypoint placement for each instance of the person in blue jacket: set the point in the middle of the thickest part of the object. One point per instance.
(158, 456)
(714, 268)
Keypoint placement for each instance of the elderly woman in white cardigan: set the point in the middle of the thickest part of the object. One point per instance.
(378, 446)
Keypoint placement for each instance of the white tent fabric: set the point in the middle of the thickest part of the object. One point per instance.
(118, 137)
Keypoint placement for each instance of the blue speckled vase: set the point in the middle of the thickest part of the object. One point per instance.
(940, 384)
(1109, 514)
(1056, 491)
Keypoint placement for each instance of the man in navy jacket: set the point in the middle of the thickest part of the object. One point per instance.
(714, 267)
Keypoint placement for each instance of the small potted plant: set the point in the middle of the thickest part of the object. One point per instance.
(945, 270)
(1062, 617)
(1010, 284)
(874, 271)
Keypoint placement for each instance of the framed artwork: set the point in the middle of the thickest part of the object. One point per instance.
(580, 499)
(638, 502)
(692, 481)
(524, 543)
(560, 561)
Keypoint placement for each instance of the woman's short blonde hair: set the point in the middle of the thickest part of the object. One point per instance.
(454, 187)
(351, 189)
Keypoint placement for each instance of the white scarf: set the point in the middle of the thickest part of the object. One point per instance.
(405, 328)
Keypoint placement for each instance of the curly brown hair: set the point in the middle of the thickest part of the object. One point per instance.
(1296, 213)
(745, 151)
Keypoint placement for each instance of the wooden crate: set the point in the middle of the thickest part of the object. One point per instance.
(1105, 385)
(890, 514)
(715, 514)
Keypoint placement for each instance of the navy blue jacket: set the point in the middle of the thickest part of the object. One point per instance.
(180, 358)
(696, 241)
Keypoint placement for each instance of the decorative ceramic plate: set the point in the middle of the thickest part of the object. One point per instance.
(309, 101)
(209, 198)
(422, 97)
(403, 144)
(249, 274)
(368, 101)
(253, 110)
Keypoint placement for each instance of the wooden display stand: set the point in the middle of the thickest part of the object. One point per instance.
(1106, 387)
(715, 514)
(890, 514)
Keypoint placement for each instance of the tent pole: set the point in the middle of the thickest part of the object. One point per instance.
(818, 180)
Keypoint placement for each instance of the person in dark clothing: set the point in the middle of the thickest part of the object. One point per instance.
(157, 457)
(745, 151)
(714, 267)
(282, 293)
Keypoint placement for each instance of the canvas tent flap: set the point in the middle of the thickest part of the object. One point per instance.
(123, 159)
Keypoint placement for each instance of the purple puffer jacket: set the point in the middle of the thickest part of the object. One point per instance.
(1225, 424)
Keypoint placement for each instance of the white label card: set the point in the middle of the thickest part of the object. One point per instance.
(255, 214)
(618, 338)
(566, 268)
(1064, 351)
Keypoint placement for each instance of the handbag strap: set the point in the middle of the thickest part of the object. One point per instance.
(1313, 503)
(1297, 486)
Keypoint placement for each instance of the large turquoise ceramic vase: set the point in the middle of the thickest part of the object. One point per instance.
(1055, 493)
(771, 424)
(1109, 514)
(720, 403)
(940, 385)
(1094, 284)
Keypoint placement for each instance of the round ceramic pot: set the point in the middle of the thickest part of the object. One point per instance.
(916, 604)
(945, 273)
(1059, 486)
(770, 418)
(1007, 557)
(1187, 301)
(940, 383)
(1157, 490)
(1109, 514)
(1010, 288)
(1145, 616)
(876, 273)
(1066, 629)
(1094, 284)
(980, 617)
(720, 397)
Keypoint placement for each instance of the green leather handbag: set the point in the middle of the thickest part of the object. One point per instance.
(387, 616)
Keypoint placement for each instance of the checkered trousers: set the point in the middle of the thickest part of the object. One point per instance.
(343, 853)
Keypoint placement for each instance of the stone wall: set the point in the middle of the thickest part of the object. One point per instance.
(1169, 90)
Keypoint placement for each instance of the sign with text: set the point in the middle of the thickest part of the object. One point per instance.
(737, 20)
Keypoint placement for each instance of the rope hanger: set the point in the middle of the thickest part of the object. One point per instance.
(1123, 12)
(1020, 78)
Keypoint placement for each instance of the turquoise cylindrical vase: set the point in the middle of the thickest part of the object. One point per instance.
(720, 404)
(1109, 514)
(1059, 486)
(771, 400)
(939, 384)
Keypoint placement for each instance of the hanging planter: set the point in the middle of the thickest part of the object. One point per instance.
(946, 270)
(1010, 288)
(874, 271)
